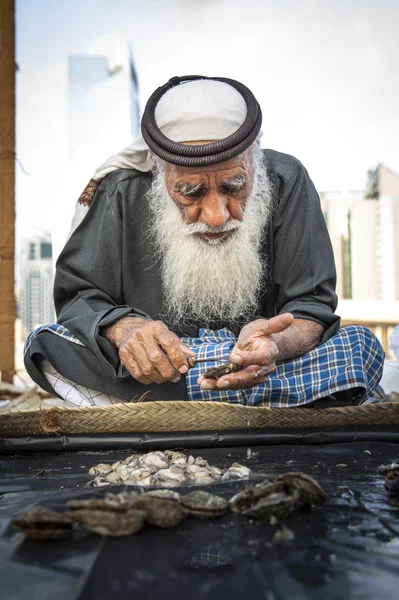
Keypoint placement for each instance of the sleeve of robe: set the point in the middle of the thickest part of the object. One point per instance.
(304, 273)
(88, 284)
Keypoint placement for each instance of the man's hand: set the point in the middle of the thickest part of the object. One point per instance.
(149, 350)
(257, 350)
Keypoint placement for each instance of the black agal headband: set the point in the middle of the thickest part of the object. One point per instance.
(202, 155)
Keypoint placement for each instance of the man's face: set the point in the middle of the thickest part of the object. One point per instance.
(206, 226)
(212, 195)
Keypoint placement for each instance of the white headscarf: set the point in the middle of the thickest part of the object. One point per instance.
(199, 110)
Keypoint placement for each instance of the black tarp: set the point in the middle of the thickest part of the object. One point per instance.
(348, 548)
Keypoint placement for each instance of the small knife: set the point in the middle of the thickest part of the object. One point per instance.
(192, 361)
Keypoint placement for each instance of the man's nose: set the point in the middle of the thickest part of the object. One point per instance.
(214, 210)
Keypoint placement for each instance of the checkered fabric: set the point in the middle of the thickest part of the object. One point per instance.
(73, 393)
(53, 328)
(353, 357)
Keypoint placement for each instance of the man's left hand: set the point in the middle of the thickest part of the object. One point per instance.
(256, 351)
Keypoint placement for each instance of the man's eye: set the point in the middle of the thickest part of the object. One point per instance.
(195, 194)
(231, 190)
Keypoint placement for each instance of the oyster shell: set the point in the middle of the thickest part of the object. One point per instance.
(111, 503)
(41, 523)
(169, 468)
(108, 523)
(175, 457)
(203, 479)
(278, 497)
(236, 471)
(173, 475)
(391, 482)
(279, 504)
(310, 492)
(100, 481)
(251, 495)
(114, 477)
(155, 459)
(123, 500)
(161, 512)
(204, 505)
(384, 469)
(146, 481)
(165, 493)
(225, 369)
(101, 469)
(105, 518)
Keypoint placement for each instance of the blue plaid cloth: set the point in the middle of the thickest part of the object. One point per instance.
(53, 328)
(353, 357)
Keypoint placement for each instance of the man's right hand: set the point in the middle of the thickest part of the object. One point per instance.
(149, 350)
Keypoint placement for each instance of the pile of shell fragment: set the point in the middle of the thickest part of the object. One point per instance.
(167, 469)
(128, 512)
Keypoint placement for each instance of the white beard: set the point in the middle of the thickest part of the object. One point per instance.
(204, 281)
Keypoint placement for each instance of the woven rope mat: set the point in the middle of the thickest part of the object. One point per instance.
(188, 416)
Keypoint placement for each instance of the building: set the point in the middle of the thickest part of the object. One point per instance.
(102, 113)
(36, 277)
(362, 227)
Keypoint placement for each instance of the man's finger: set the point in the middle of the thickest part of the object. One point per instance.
(252, 334)
(244, 379)
(152, 361)
(276, 324)
(134, 370)
(159, 361)
(172, 345)
(262, 356)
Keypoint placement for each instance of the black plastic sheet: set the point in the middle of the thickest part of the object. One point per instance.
(348, 548)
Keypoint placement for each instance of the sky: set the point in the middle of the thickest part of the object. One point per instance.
(326, 74)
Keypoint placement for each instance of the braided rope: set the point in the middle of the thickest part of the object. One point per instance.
(162, 416)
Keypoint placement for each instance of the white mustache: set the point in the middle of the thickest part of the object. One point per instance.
(230, 225)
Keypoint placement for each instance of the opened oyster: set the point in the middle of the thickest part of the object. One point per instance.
(41, 523)
(225, 369)
(204, 505)
(279, 504)
(310, 492)
(251, 495)
(278, 497)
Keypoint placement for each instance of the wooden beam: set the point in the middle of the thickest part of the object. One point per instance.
(7, 185)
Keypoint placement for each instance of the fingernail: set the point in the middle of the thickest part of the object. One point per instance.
(206, 386)
(224, 384)
(176, 379)
(183, 369)
(236, 358)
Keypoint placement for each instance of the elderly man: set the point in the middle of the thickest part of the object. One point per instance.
(193, 242)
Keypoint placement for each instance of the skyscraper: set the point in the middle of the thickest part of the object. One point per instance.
(36, 275)
(362, 227)
(102, 113)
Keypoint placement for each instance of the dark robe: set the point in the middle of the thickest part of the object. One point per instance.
(107, 270)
